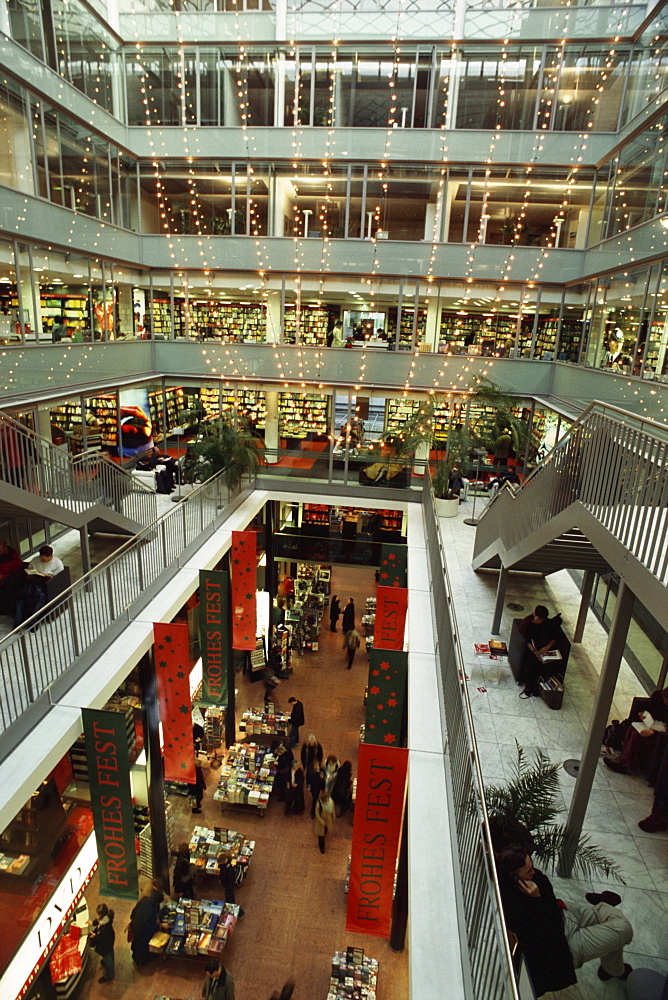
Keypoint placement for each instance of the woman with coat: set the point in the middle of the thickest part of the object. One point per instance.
(324, 818)
(103, 938)
(342, 788)
(331, 770)
(316, 784)
(294, 791)
(144, 922)
(334, 613)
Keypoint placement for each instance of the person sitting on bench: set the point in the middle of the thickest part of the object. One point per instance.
(541, 633)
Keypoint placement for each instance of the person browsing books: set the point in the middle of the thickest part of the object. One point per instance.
(541, 634)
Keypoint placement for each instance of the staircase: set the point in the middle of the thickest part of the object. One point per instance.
(38, 479)
(598, 501)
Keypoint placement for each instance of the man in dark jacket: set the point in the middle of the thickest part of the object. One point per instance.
(556, 941)
(218, 984)
(296, 720)
(348, 622)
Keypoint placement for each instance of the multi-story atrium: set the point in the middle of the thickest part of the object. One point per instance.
(334, 219)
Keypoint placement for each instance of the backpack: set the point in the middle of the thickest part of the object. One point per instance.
(614, 734)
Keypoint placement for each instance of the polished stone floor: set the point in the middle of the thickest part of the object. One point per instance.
(617, 802)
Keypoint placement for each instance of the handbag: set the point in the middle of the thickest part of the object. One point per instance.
(130, 933)
(552, 691)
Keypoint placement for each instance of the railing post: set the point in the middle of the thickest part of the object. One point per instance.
(140, 567)
(25, 661)
(73, 625)
(185, 522)
(110, 591)
(163, 538)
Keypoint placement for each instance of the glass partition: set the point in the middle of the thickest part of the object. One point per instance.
(88, 54)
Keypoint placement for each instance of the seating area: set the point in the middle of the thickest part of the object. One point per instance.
(519, 655)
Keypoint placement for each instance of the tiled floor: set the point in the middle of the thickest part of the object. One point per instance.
(618, 802)
(294, 896)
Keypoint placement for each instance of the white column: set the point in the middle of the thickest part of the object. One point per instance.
(271, 425)
(273, 315)
(34, 319)
(421, 455)
(433, 323)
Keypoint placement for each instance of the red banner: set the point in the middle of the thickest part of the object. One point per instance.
(172, 668)
(391, 605)
(243, 561)
(379, 807)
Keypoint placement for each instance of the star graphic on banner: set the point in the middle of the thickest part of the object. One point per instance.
(375, 672)
(162, 664)
(384, 576)
(249, 597)
(170, 680)
(372, 725)
(379, 707)
(392, 702)
(168, 638)
(235, 562)
(390, 738)
(184, 709)
(374, 690)
(391, 555)
(160, 646)
(386, 722)
(183, 766)
(180, 673)
(388, 677)
(384, 665)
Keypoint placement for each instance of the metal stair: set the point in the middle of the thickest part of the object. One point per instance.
(38, 479)
(598, 501)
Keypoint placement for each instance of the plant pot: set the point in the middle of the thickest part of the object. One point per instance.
(447, 508)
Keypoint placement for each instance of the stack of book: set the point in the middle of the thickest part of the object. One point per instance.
(354, 976)
(258, 722)
(209, 847)
(247, 777)
(194, 928)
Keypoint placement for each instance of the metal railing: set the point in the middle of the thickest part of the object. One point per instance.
(616, 465)
(38, 467)
(481, 919)
(49, 644)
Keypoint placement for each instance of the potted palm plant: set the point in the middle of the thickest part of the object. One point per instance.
(524, 811)
(220, 445)
(446, 500)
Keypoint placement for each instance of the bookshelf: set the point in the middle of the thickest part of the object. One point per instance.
(68, 416)
(313, 325)
(315, 513)
(301, 414)
(229, 321)
(406, 329)
(399, 411)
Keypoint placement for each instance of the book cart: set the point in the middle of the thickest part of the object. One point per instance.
(247, 777)
(194, 928)
(264, 722)
(208, 847)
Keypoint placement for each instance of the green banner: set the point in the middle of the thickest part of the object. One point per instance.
(393, 562)
(386, 696)
(106, 739)
(214, 634)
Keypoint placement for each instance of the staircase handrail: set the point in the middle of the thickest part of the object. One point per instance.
(612, 461)
(35, 464)
(42, 649)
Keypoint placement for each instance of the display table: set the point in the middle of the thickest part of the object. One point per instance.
(194, 928)
(247, 777)
(258, 722)
(209, 847)
(354, 976)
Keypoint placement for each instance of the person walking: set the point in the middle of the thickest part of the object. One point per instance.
(342, 788)
(296, 720)
(324, 818)
(231, 876)
(103, 938)
(331, 769)
(316, 784)
(311, 755)
(351, 644)
(294, 790)
(334, 613)
(200, 785)
(348, 622)
(144, 922)
(219, 984)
